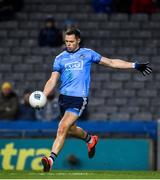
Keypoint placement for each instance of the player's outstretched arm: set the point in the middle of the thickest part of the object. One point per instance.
(51, 83)
(144, 68)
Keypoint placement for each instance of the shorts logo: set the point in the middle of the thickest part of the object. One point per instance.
(77, 65)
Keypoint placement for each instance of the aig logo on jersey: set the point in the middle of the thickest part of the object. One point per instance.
(77, 65)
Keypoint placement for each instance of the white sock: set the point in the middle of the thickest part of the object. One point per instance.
(90, 141)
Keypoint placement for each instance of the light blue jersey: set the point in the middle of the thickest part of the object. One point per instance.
(74, 69)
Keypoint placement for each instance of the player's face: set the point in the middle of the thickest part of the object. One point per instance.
(72, 43)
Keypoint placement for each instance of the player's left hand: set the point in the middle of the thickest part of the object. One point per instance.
(143, 68)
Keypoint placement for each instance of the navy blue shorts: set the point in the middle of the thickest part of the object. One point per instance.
(72, 104)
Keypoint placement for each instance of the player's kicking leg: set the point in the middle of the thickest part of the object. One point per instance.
(91, 140)
(68, 119)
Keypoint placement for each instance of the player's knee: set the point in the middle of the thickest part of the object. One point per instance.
(71, 130)
(62, 129)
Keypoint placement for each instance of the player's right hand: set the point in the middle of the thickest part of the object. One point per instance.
(38, 108)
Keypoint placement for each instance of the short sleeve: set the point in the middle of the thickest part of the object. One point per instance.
(95, 57)
(56, 65)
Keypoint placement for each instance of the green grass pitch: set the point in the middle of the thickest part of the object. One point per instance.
(80, 175)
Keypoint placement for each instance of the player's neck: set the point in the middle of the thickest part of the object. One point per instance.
(77, 49)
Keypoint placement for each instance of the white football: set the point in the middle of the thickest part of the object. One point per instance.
(37, 99)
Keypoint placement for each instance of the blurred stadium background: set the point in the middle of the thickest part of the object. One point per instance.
(123, 107)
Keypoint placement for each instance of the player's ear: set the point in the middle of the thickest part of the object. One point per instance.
(79, 40)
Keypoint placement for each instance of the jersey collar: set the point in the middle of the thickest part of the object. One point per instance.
(72, 51)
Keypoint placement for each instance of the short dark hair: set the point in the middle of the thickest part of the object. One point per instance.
(76, 32)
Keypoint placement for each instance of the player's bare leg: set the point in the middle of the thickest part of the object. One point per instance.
(68, 119)
(91, 140)
(77, 132)
(67, 126)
